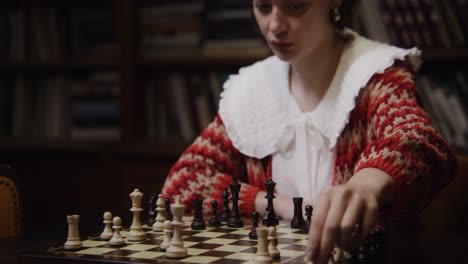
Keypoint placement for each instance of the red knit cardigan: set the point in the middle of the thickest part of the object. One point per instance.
(387, 130)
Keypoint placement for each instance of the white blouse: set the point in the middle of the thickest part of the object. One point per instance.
(303, 164)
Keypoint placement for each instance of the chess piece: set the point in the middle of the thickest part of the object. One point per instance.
(262, 256)
(116, 239)
(272, 243)
(214, 220)
(160, 218)
(176, 249)
(361, 256)
(340, 255)
(225, 212)
(167, 238)
(151, 210)
(73, 239)
(308, 213)
(235, 220)
(270, 216)
(167, 212)
(107, 233)
(255, 220)
(136, 229)
(198, 222)
(298, 220)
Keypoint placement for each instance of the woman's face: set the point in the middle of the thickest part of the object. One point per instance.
(294, 28)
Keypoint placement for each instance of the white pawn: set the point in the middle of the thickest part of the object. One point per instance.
(136, 232)
(73, 239)
(158, 226)
(117, 239)
(107, 233)
(167, 232)
(272, 247)
(262, 256)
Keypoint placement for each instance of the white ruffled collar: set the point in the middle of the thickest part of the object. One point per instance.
(254, 102)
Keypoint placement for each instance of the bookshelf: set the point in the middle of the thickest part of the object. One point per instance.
(115, 43)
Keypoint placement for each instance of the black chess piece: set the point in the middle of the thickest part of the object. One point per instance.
(308, 213)
(168, 212)
(270, 218)
(198, 221)
(361, 254)
(214, 220)
(152, 210)
(255, 220)
(225, 211)
(235, 219)
(298, 220)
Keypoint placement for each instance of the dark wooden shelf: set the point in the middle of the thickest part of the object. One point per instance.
(51, 146)
(197, 61)
(457, 55)
(169, 149)
(61, 65)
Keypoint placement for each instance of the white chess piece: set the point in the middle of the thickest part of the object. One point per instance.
(167, 232)
(262, 256)
(136, 232)
(272, 249)
(107, 233)
(73, 239)
(158, 226)
(177, 250)
(117, 239)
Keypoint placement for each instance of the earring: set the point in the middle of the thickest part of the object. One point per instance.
(336, 15)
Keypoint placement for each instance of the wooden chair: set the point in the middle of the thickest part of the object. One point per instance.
(9, 204)
(448, 213)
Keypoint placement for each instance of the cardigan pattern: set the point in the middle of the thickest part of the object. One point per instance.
(387, 130)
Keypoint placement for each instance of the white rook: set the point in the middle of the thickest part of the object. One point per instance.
(73, 240)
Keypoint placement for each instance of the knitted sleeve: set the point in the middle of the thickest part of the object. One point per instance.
(404, 144)
(206, 167)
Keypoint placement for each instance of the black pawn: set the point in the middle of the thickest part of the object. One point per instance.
(225, 212)
(308, 213)
(361, 255)
(214, 220)
(198, 221)
(255, 220)
(152, 210)
(298, 220)
(168, 212)
(235, 219)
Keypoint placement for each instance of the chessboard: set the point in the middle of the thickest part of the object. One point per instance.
(213, 245)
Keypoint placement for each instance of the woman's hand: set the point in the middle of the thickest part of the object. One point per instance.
(345, 214)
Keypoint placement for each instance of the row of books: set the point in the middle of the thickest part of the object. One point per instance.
(445, 98)
(163, 28)
(427, 24)
(181, 105)
(60, 107)
(56, 32)
(199, 28)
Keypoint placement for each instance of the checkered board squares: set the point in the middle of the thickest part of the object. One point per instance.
(211, 246)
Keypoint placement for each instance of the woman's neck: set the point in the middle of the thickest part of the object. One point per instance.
(311, 76)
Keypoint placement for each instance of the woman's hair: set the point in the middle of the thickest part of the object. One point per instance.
(346, 11)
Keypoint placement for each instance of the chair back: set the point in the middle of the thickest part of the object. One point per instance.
(9, 204)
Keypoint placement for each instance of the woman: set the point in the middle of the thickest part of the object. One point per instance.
(332, 118)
